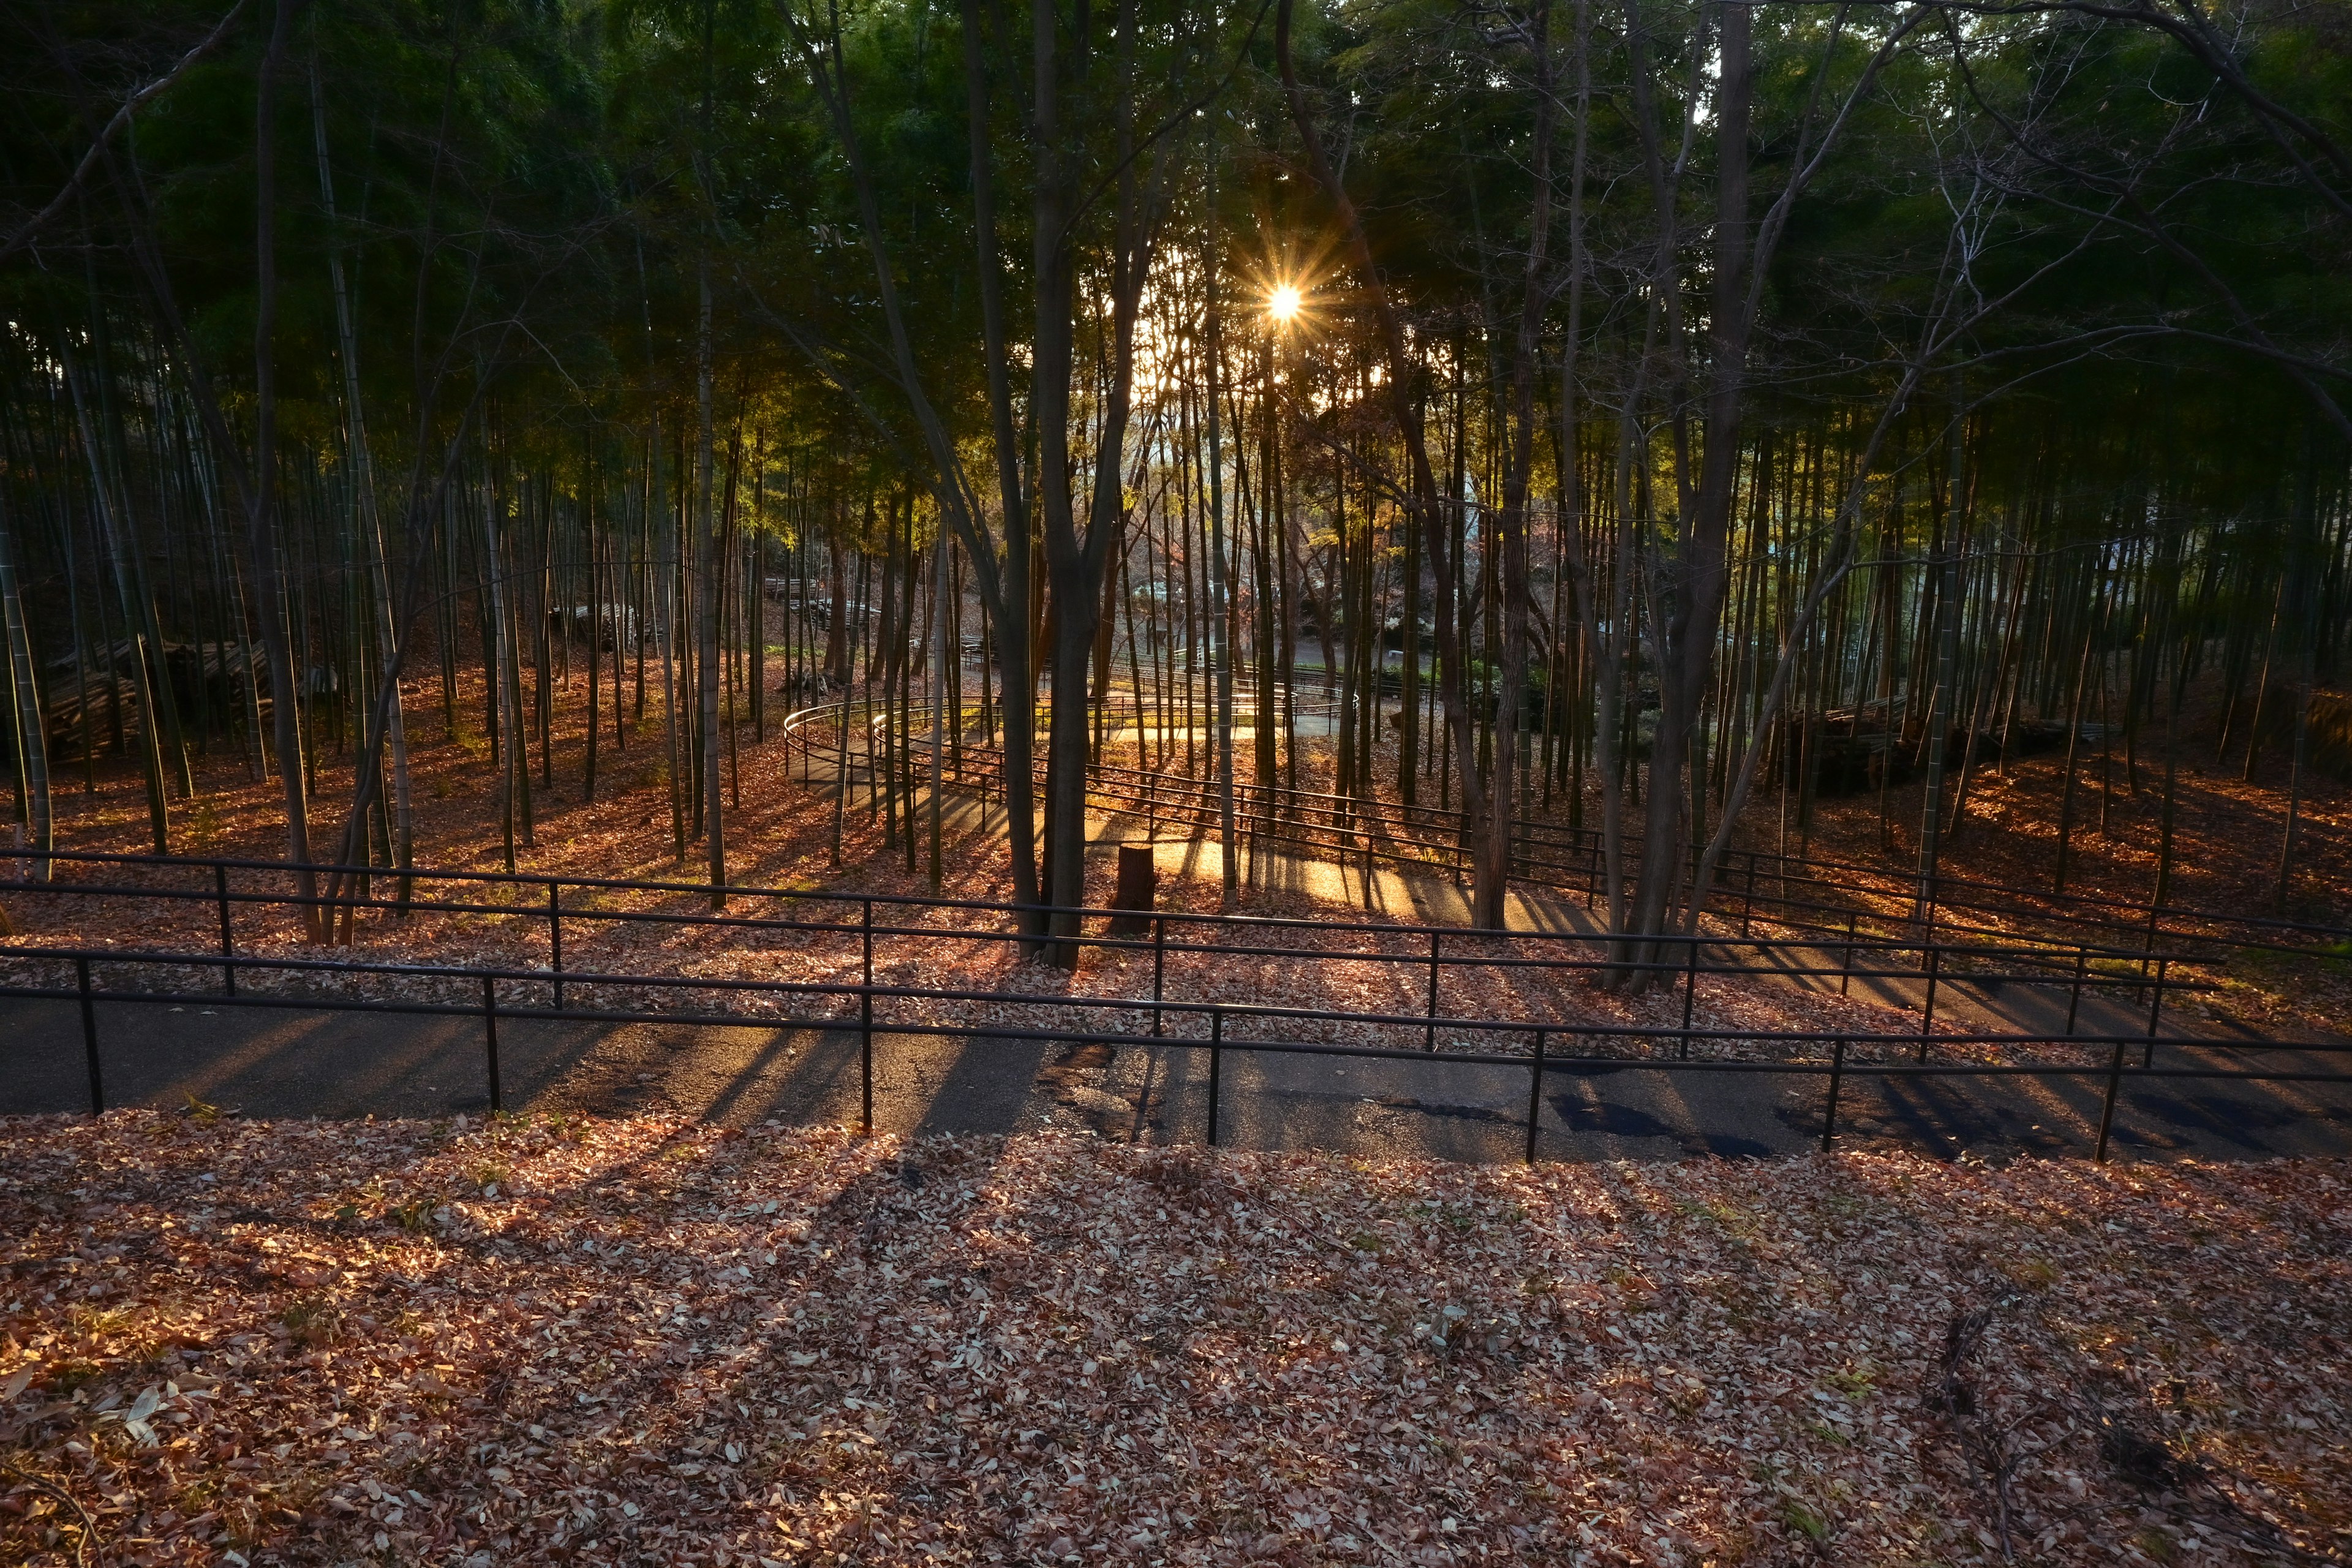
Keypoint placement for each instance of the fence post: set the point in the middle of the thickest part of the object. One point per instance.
(1158, 971)
(1845, 964)
(228, 939)
(2074, 1002)
(2156, 1009)
(1927, 1013)
(490, 1040)
(1690, 991)
(1747, 907)
(1829, 1113)
(89, 1038)
(1430, 1043)
(2107, 1110)
(1216, 1066)
(865, 1029)
(555, 939)
(1535, 1096)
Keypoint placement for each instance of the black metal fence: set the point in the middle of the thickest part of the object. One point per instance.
(227, 895)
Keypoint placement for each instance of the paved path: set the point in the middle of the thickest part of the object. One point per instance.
(269, 1062)
(273, 1062)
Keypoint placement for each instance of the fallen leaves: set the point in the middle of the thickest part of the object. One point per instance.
(1297, 970)
(650, 1340)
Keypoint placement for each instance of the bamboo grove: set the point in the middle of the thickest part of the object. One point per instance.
(1652, 416)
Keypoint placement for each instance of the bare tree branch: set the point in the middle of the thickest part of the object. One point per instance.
(90, 160)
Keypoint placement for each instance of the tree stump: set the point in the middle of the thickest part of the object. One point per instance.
(1138, 889)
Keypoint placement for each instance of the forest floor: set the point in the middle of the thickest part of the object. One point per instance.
(652, 1340)
(2226, 838)
(2226, 831)
(780, 835)
(714, 1329)
(1346, 955)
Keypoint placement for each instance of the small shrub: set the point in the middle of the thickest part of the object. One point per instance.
(414, 1217)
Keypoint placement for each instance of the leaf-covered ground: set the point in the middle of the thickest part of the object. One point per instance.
(646, 1340)
(2225, 832)
(783, 837)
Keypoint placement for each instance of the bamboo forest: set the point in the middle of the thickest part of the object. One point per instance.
(1666, 421)
(1341, 783)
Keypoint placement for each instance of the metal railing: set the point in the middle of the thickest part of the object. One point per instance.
(215, 891)
(206, 889)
